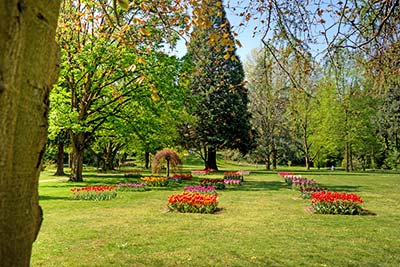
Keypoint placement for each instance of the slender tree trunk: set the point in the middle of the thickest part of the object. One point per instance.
(211, 159)
(147, 159)
(274, 159)
(307, 158)
(351, 158)
(28, 69)
(274, 155)
(60, 160)
(347, 157)
(205, 158)
(306, 147)
(268, 162)
(78, 147)
(167, 168)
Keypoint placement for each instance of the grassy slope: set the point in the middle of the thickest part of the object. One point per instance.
(260, 225)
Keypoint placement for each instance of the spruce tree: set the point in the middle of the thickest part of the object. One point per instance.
(217, 84)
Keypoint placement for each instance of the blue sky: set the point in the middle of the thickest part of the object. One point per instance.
(245, 36)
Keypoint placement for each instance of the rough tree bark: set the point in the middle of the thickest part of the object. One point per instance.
(28, 69)
(211, 163)
(78, 149)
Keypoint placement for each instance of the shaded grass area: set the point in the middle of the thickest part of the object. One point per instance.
(259, 225)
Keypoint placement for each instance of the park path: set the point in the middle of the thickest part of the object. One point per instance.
(54, 180)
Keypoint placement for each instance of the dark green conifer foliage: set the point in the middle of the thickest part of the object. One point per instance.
(217, 84)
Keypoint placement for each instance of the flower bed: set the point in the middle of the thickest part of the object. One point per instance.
(97, 193)
(305, 193)
(155, 181)
(219, 183)
(285, 173)
(175, 179)
(233, 176)
(132, 187)
(209, 189)
(298, 182)
(232, 182)
(193, 202)
(186, 176)
(337, 203)
(202, 172)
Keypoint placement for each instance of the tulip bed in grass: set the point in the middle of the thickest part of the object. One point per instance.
(322, 200)
(260, 225)
(183, 176)
(218, 183)
(326, 202)
(155, 181)
(193, 202)
(97, 193)
(208, 189)
(139, 187)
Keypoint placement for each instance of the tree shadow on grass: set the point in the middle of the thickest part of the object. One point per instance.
(342, 188)
(45, 197)
(259, 186)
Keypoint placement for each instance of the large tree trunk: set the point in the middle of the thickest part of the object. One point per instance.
(268, 162)
(211, 163)
(78, 147)
(60, 159)
(28, 69)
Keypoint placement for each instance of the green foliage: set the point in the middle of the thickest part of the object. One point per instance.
(339, 207)
(111, 64)
(269, 95)
(217, 85)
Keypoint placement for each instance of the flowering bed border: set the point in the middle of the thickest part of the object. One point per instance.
(193, 202)
(337, 203)
(137, 187)
(155, 181)
(324, 201)
(96, 193)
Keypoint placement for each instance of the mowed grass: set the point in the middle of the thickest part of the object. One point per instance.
(261, 224)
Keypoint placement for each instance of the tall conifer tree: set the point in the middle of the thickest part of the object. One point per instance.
(217, 84)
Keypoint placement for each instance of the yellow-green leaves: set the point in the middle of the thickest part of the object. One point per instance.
(124, 4)
(144, 32)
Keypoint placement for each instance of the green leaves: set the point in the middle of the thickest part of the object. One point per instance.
(124, 4)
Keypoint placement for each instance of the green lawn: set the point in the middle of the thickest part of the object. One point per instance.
(261, 224)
